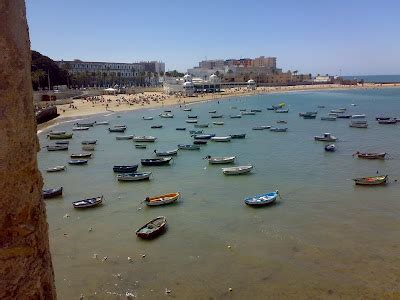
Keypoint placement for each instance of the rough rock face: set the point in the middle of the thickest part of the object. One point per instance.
(26, 271)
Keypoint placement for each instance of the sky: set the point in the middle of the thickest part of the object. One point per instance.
(347, 37)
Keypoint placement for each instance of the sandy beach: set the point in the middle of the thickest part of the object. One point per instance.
(127, 102)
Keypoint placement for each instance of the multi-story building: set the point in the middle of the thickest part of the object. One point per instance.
(212, 64)
(262, 61)
(106, 73)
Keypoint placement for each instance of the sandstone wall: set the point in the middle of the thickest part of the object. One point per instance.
(26, 270)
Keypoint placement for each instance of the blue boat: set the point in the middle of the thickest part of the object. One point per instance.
(260, 200)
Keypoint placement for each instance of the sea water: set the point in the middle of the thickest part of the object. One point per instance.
(325, 237)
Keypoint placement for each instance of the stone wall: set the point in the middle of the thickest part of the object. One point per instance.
(26, 270)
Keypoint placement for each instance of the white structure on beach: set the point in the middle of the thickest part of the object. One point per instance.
(188, 88)
(251, 84)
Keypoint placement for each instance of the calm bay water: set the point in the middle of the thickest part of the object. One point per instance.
(324, 238)
(376, 78)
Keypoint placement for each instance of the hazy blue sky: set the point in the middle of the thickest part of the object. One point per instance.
(356, 36)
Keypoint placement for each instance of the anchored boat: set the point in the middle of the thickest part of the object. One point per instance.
(263, 199)
(162, 199)
(86, 203)
(153, 228)
(374, 180)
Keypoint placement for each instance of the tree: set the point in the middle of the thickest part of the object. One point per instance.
(37, 76)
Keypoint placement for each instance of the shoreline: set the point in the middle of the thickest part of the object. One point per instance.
(89, 109)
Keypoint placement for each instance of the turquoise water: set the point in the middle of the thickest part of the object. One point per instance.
(376, 78)
(324, 238)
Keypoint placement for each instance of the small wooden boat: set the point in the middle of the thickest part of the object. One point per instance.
(238, 136)
(188, 147)
(140, 146)
(275, 129)
(144, 138)
(281, 122)
(308, 117)
(200, 142)
(361, 116)
(344, 116)
(79, 128)
(302, 114)
(147, 118)
(192, 116)
(329, 118)
(160, 161)
(166, 115)
(78, 162)
(88, 147)
(89, 142)
(221, 138)
(261, 127)
(61, 142)
(237, 170)
(166, 153)
(167, 110)
(247, 113)
(125, 168)
(56, 169)
(256, 110)
(124, 137)
(57, 147)
(367, 155)
(156, 126)
(63, 136)
(270, 108)
(218, 123)
(191, 121)
(181, 128)
(382, 118)
(358, 124)
(263, 199)
(390, 121)
(242, 109)
(153, 228)
(338, 111)
(187, 109)
(330, 148)
(196, 131)
(51, 193)
(134, 176)
(217, 116)
(56, 132)
(220, 160)
(235, 117)
(203, 136)
(374, 180)
(81, 155)
(201, 125)
(119, 126)
(102, 123)
(86, 203)
(327, 137)
(212, 111)
(162, 199)
(89, 124)
(117, 129)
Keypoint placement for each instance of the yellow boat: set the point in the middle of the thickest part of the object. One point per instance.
(162, 199)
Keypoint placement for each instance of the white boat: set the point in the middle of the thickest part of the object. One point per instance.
(361, 116)
(338, 111)
(166, 115)
(133, 176)
(56, 169)
(221, 138)
(144, 138)
(191, 121)
(124, 137)
(102, 123)
(327, 137)
(166, 153)
(247, 113)
(187, 109)
(147, 118)
(220, 160)
(218, 123)
(237, 170)
(80, 128)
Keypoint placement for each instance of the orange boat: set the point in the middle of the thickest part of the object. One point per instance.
(162, 199)
(374, 180)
